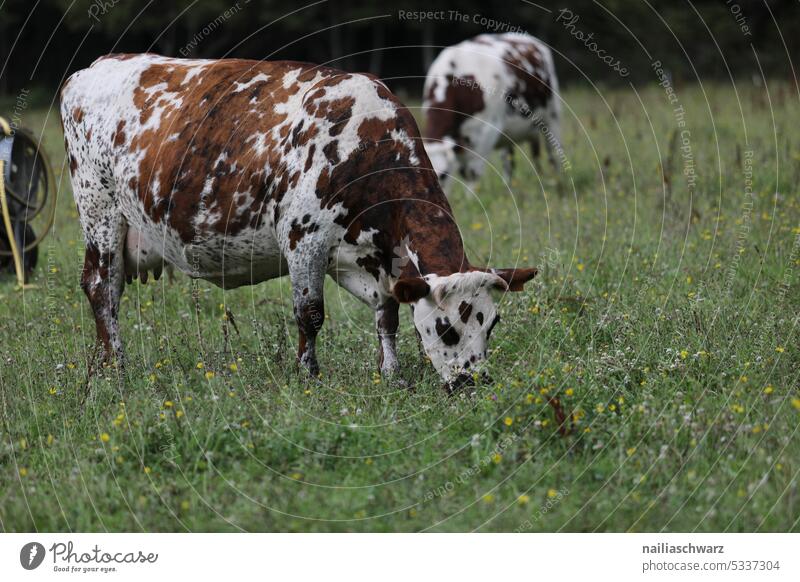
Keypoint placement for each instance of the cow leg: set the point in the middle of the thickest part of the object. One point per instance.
(536, 150)
(551, 132)
(387, 320)
(308, 279)
(103, 279)
(387, 314)
(104, 228)
(508, 161)
(536, 147)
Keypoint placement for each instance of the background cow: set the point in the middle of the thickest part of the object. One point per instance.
(241, 171)
(495, 90)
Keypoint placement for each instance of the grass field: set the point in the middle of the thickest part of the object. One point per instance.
(664, 317)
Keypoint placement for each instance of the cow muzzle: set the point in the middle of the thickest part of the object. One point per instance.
(464, 380)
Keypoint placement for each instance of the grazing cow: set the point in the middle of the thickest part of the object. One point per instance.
(490, 92)
(241, 171)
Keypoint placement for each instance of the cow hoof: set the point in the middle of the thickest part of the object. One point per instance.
(396, 381)
(312, 371)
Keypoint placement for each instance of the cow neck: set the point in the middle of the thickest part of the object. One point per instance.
(429, 234)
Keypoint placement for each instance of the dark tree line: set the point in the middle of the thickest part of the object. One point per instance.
(41, 42)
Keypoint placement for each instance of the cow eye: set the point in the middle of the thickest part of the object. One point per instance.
(491, 326)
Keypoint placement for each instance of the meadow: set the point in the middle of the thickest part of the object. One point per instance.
(664, 318)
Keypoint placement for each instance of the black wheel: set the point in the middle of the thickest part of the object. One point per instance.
(30, 256)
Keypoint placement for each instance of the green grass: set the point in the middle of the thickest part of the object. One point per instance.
(658, 318)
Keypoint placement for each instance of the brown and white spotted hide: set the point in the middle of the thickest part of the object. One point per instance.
(240, 171)
(492, 91)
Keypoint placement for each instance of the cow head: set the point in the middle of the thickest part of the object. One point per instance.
(442, 154)
(455, 316)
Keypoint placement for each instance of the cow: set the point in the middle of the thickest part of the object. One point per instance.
(237, 172)
(492, 91)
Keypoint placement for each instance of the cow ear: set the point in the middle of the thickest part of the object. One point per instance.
(516, 278)
(410, 289)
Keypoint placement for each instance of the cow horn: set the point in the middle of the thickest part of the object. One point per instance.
(438, 295)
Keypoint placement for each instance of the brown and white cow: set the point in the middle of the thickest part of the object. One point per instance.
(241, 171)
(492, 91)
